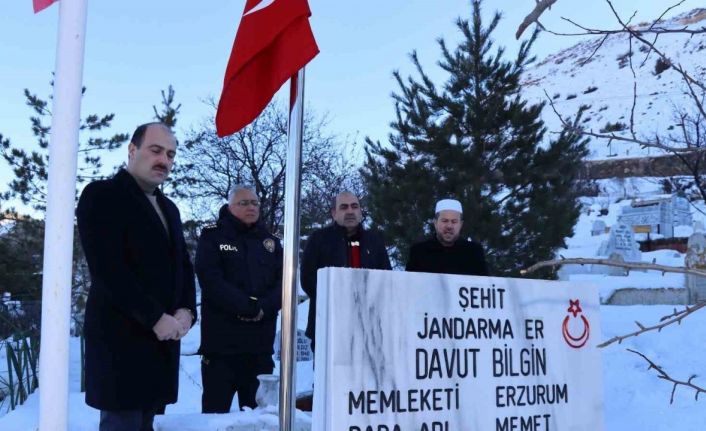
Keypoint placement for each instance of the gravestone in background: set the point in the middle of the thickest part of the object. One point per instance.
(616, 270)
(696, 259)
(622, 241)
(304, 352)
(598, 228)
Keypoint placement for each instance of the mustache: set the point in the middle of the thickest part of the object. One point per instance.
(161, 166)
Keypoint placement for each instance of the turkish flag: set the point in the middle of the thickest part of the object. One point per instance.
(40, 5)
(273, 42)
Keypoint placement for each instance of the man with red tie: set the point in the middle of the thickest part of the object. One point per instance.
(344, 243)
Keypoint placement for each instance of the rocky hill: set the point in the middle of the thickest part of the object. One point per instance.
(604, 81)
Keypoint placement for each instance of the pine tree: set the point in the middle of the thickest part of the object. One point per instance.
(31, 166)
(474, 138)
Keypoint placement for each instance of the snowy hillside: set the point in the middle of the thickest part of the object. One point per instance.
(605, 82)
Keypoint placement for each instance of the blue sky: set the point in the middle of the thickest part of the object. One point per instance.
(134, 49)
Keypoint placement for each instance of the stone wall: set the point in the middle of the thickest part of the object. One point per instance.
(658, 166)
(635, 296)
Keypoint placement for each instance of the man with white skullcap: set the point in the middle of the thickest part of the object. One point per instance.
(446, 252)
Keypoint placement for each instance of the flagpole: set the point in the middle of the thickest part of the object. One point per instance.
(59, 218)
(287, 393)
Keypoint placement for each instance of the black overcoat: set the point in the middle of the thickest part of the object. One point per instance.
(463, 257)
(328, 247)
(137, 273)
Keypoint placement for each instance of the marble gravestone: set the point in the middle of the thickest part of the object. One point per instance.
(400, 351)
(696, 259)
(622, 241)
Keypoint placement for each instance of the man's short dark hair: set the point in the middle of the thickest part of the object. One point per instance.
(139, 134)
(334, 198)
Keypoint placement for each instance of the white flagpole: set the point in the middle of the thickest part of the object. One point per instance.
(287, 393)
(59, 218)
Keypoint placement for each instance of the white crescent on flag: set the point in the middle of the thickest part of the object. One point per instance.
(260, 6)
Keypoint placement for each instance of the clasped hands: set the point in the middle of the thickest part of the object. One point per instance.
(256, 318)
(174, 327)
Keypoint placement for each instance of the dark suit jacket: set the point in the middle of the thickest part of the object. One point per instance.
(137, 272)
(464, 257)
(328, 247)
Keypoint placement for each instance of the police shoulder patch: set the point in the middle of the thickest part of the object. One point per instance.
(209, 227)
(269, 245)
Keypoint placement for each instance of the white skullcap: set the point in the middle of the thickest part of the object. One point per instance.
(448, 204)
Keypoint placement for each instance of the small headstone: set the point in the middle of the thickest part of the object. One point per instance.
(603, 249)
(696, 259)
(304, 352)
(598, 228)
(617, 270)
(622, 241)
(696, 251)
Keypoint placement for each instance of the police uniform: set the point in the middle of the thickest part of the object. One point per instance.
(239, 269)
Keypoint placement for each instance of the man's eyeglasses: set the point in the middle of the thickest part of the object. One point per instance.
(246, 202)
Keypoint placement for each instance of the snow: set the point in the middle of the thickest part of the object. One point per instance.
(634, 397)
(182, 416)
(565, 74)
(617, 194)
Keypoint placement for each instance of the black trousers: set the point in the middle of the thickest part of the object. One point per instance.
(223, 376)
(128, 420)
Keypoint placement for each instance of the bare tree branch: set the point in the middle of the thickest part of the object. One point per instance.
(607, 262)
(656, 143)
(675, 317)
(533, 16)
(676, 383)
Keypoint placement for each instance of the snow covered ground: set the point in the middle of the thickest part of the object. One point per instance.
(616, 195)
(635, 398)
(85, 418)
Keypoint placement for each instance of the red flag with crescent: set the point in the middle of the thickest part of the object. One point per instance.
(274, 40)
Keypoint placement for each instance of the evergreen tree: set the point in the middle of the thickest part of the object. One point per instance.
(476, 140)
(31, 167)
(29, 163)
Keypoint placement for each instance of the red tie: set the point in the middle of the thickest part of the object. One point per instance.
(354, 260)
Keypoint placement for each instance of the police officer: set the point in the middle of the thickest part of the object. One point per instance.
(446, 252)
(239, 267)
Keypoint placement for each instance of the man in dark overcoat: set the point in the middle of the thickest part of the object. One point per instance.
(344, 243)
(142, 295)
